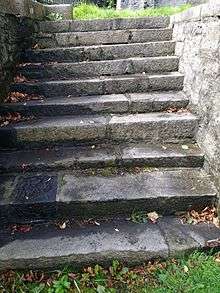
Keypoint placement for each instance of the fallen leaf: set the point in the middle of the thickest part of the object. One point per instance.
(213, 243)
(153, 216)
(185, 147)
(63, 225)
(185, 268)
(13, 117)
(20, 79)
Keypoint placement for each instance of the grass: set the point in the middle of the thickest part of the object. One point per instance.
(197, 273)
(91, 11)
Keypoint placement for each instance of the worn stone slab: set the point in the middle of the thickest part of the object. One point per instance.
(48, 40)
(132, 83)
(49, 131)
(157, 101)
(155, 127)
(47, 247)
(161, 155)
(183, 238)
(52, 196)
(152, 128)
(138, 154)
(100, 52)
(102, 24)
(118, 103)
(61, 106)
(97, 68)
(144, 102)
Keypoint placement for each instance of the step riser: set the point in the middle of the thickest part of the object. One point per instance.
(101, 129)
(57, 196)
(116, 67)
(73, 163)
(105, 24)
(102, 37)
(102, 86)
(22, 214)
(79, 54)
(115, 104)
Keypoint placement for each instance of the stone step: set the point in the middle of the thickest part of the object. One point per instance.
(100, 68)
(52, 40)
(101, 156)
(128, 103)
(86, 244)
(152, 128)
(100, 52)
(133, 83)
(102, 24)
(47, 196)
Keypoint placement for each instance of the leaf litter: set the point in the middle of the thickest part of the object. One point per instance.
(13, 117)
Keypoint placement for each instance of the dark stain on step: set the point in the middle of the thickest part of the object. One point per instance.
(36, 188)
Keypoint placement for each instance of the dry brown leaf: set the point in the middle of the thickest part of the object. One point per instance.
(14, 97)
(13, 117)
(207, 215)
(20, 79)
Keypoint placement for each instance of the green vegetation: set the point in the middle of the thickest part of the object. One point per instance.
(91, 11)
(197, 273)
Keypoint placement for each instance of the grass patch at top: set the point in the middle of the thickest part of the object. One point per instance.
(92, 11)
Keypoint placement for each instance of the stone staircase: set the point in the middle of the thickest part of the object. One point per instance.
(111, 137)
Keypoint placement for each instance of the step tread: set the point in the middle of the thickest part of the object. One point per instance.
(105, 78)
(153, 97)
(100, 52)
(86, 47)
(102, 24)
(54, 195)
(133, 30)
(125, 36)
(101, 156)
(86, 244)
(89, 120)
(51, 65)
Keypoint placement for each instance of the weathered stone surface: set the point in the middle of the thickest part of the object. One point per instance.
(131, 103)
(71, 106)
(156, 101)
(74, 195)
(102, 24)
(97, 68)
(77, 246)
(15, 35)
(100, 52)
(138, 154)
(132, 83)
(48, 247)
(185, 238)
(198, 34)
(153, 127)
(47, 40)
(55, 130)
(166, 155)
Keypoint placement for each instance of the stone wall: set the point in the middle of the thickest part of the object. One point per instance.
(15, 35)
(197, 32)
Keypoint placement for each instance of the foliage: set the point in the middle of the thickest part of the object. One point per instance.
(54, 16)
(197, 273)
(91, 11)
